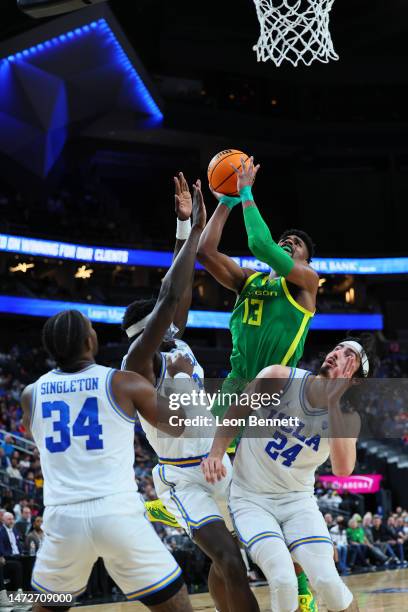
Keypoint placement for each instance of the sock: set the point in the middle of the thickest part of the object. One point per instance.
(303, 587)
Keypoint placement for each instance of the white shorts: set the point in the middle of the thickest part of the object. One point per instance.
(114, 528)
(186, 494)
(294, 519)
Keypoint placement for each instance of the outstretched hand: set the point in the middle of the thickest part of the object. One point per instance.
(216, 194)
(213, 469)
(182, 197)
(246, 174)
(199, 211)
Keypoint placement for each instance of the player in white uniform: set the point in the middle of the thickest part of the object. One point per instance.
(82, 416)
(179, 482)
(272, 494)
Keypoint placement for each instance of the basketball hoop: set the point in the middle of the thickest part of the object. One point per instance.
(295, 31)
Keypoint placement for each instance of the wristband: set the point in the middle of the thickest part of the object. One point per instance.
(246, 194)
(181, 375)
(183, 229)
(230, 201)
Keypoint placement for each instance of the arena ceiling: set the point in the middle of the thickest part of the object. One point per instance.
(183, 37)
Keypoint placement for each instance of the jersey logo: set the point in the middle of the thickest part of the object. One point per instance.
(260, 292)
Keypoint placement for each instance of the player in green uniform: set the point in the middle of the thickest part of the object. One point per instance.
(272, 313)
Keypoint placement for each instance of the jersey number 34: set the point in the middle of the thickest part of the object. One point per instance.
(86, 424)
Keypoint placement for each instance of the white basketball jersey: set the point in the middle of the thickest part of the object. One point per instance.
(167, 447)
(85, 439)
(286, 458)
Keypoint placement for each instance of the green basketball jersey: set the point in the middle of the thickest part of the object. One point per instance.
(268, 327)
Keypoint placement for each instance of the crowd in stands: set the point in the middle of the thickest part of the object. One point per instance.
(370, 541)
(90, 214)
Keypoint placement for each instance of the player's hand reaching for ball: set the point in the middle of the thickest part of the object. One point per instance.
(246, 174)
(182, 196)
(199, 211)
(213, 469)
(216, 194)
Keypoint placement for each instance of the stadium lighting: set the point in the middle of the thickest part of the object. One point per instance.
(84, 272)
(204, 319)
(101, 28)
(22, 267)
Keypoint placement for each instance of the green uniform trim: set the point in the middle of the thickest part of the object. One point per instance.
(307, 314)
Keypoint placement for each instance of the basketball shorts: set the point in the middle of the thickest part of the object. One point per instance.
(293, 520)
(186, 494)
(114, 528)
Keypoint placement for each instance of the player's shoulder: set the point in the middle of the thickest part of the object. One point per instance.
(27, 394)
(125, 376)
(250, 275)
(275, 371)
(300, 373)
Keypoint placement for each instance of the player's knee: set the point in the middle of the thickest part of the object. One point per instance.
(280, 574)
(228, 561)
(230, 564)
(332, 591)
(284, 592)
(285, 582)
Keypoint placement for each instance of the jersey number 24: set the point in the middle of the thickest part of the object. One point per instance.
(277, 448)
(86, 424)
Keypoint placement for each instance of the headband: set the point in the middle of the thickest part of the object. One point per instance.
(357, 348)
(137, 327)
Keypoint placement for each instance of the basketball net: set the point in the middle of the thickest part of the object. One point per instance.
(295, 31)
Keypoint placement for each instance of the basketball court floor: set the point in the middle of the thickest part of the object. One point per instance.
(378, 592)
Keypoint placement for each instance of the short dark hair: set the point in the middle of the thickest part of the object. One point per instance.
(64, 337)
(303, 236)
(368, 342)
(136, 311)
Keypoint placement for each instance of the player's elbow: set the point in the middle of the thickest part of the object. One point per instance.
(204, 252)
(343, 469)
(259, 247)
(253, 244)
(202, 256)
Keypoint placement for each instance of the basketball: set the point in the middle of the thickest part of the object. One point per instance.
(221, 175)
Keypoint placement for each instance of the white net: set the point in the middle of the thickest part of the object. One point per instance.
(295, 31)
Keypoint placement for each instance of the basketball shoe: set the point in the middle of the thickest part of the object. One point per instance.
(157, 512)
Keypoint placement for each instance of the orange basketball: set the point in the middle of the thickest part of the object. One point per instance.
(221, 175)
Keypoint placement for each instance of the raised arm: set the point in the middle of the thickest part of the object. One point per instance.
(183, 207)
(344, 428)
(260, 240)
(173, 286)
(223, 268)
